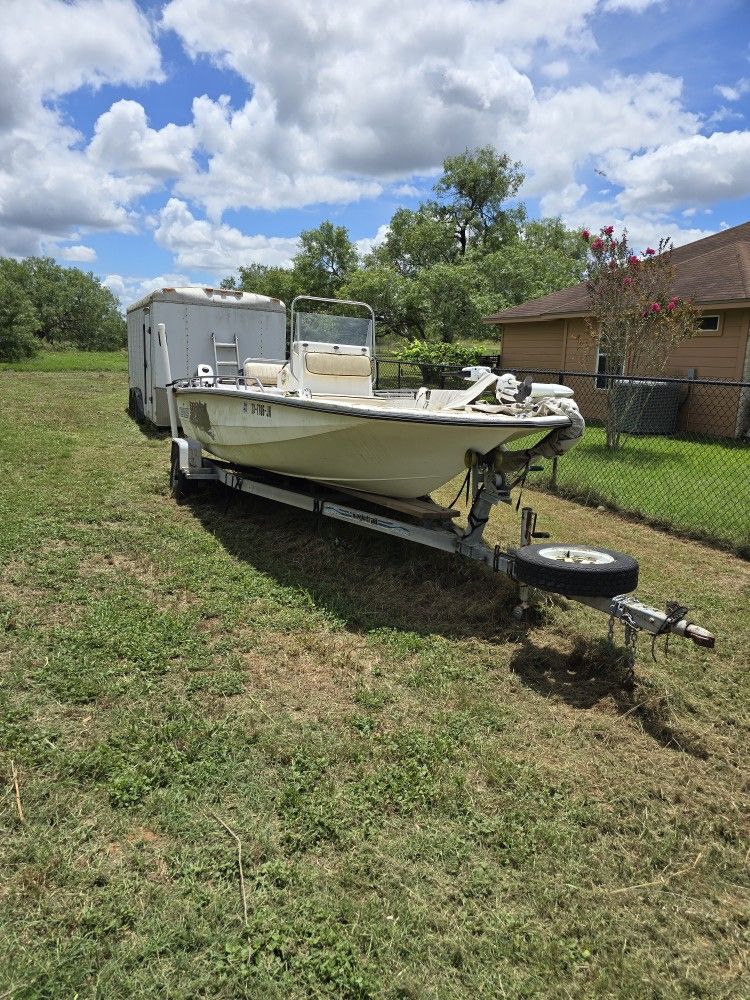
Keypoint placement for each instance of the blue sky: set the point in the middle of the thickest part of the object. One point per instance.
(158, 142)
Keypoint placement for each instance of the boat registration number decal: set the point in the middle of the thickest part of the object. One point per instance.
(257, 409)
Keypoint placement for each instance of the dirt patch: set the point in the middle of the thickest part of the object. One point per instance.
(318, 671)
(114, 564)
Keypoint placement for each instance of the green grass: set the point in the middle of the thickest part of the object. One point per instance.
(70, 360)
(433, 801)
(697, 486)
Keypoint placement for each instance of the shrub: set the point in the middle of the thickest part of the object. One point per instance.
(435, 352)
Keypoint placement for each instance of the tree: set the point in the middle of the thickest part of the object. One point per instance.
(545, 258)
(19, 323)
(397, 301)
(326, 259)
(635, 316)
(471, 194)
(71, 306)
(276, 282)
(416, 240)
(454, 301)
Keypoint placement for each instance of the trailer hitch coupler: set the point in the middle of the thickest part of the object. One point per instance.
(700, 636)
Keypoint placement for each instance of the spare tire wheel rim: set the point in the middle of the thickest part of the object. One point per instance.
(575, 555)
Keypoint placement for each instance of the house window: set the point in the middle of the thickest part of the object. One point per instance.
(601, 370)
(708, 324)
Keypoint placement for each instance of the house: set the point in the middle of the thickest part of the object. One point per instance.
(551, 333)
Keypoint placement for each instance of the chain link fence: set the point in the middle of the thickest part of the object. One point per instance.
(683, 460)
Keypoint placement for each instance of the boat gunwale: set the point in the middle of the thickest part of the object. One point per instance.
(403, 416)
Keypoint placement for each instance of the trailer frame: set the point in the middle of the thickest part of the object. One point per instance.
(191, 468)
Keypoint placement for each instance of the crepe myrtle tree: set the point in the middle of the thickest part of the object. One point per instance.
(634, 315)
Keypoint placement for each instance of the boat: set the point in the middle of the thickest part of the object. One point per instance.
(317, 416)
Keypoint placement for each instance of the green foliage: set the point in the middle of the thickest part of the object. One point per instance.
(19, 323)
(326, 259)
(437, 353)
(453, 301)
(276, 282)
(415, 241)
(472, 193)
(546, 257)
(397, 301)
(70, 306)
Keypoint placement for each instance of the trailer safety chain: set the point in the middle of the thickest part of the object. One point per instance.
(675, 612)
(631, 633)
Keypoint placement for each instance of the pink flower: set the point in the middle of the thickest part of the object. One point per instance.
(650, 251)
(585, 234)
(671, 306)
(627, 282)
(608, 230)
(633, 260)
(655, 307)
(597, 244)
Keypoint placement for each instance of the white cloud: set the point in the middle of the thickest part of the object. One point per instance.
(346, 97)
(631, 6)
(699, 169)
(81, 254)
(735, 92)
(556, 70)
(407, 191)
(202, 245)
(49, 48)
(347, 101)
(724, 114)
(598, 126)
(368, 243)
(129, 289)
(124, 144)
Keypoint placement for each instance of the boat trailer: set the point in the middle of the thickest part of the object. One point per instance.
(598, 578)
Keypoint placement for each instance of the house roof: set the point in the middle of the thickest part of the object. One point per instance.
(713, 270)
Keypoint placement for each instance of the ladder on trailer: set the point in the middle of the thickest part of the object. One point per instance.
(231, 345)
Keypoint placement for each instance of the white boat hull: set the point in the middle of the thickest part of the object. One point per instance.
(378, 449)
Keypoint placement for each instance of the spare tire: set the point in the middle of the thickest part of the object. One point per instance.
(575, 570)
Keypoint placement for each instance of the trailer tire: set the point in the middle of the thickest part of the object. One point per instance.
(575, 570)
(135, 405)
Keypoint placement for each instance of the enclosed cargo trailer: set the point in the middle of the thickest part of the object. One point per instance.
(215, 326)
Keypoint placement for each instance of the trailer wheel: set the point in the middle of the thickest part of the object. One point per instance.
(135, 405)
(575, 570)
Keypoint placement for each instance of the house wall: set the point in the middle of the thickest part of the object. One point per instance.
(567, 345)
(534, 345)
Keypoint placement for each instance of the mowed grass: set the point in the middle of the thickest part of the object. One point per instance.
(697, 486)
(432, 800)
(70, 360)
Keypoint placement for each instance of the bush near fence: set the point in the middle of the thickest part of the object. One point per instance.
(693, 477)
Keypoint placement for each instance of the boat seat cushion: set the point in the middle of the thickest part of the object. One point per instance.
(357, 365)
(267, 373)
